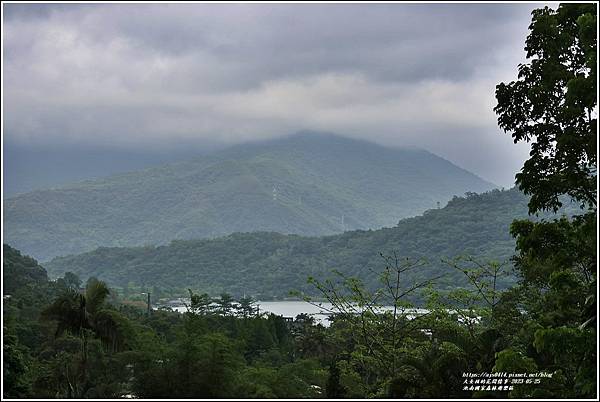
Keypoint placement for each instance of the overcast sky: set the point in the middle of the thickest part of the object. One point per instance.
(154, 76)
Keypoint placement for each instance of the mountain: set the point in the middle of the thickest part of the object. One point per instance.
(271, 264)
(31, 167)
(308, 184)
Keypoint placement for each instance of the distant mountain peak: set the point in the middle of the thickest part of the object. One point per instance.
(314, 135)
(325, 184)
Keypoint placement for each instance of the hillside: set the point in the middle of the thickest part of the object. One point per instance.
(271, 264)
(307, 184)
(20, 271)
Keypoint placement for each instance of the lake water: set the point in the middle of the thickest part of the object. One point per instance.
(293, 308)
(287, 309)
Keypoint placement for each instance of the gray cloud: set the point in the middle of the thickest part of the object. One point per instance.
(143, 76)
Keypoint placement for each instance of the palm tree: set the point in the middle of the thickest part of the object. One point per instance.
(82, 315)
(78, 313)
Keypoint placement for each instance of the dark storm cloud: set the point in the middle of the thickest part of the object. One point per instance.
(265, 42)
(132, 75)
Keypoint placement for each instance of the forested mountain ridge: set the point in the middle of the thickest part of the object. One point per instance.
(308, 184)
(20, 270)
(271, 264)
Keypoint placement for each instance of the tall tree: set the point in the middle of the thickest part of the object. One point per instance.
(77, 312)
(225, 304)
(246, 307)
(552, 105)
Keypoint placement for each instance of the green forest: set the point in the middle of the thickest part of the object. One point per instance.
(269, 265)
(517, 294)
